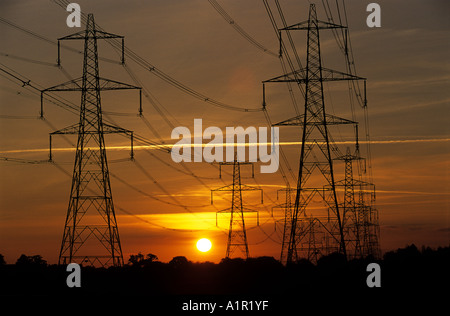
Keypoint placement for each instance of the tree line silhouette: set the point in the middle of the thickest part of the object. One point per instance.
(405, 268)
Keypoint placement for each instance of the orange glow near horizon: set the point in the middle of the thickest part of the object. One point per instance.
(163, 207)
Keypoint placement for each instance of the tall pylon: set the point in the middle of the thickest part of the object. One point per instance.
(287, 206)
(237, 244)
(350, 219)
(360, 218)
(91, 235)
(316, 226)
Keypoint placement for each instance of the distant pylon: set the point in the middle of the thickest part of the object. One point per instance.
(237, 234)
(316, 225)
(360, 218)
(350, 209)
(91, 234)
(287, 207)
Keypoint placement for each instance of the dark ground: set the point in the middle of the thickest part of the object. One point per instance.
(406, 271)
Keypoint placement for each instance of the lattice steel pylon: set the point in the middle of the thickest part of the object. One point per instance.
(315, 229)
(91, 234)
(360, 218)
(237, 234)
(350, 209)
(350, 218)
(287, 206)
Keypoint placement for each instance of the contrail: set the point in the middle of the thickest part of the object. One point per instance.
(146, 147)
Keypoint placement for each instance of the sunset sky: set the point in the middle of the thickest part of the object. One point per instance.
(165, 209)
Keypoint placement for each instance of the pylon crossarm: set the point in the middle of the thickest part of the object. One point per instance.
(300, 76)
(83, 35)
(72, 129)
(320, 25)
(71, 85)
(331, 75)
(77, 35)
(103, 34)
(111, 129)
(299, 120)
(108, 84)
(224, 188)
(104, 85)
(243, 210)
(229, 187)
(244, 187)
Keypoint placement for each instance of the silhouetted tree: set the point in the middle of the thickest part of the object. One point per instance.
(232, 262)
(2, 260)
(151, 257)
(179, 261)
(402, 255)
(35, 260)
(138, 260)
(405, 268)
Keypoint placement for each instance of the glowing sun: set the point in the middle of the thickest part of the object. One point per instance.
(204, 245)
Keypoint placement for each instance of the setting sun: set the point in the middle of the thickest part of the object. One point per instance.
(204, 245)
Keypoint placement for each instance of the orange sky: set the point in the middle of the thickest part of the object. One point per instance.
(406, 63)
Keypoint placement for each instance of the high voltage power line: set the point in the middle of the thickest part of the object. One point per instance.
(138, 60)
(149, 67)
(67, 105)
(345, 45)
(298, 226)
(160, 74)
(239, 29)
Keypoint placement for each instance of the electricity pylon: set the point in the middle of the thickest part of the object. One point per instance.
(237, 234)
(350, 219)
(287, 207)
(350, 209)
(315, 230)
(91, 234)
(360, 218)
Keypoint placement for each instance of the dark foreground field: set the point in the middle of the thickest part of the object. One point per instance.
(264, 278)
